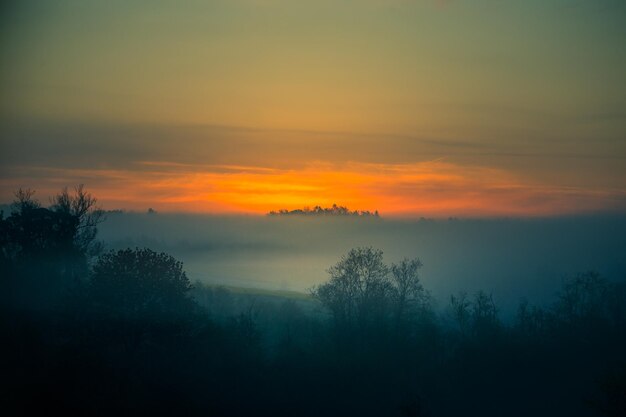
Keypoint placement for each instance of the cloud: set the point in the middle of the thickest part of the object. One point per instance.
(236, 169)
(431, 188)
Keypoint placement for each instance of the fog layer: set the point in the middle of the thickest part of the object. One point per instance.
(513, 259)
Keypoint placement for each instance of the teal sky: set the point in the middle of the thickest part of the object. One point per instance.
(534, 88)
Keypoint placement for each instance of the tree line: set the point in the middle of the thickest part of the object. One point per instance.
(335, 210)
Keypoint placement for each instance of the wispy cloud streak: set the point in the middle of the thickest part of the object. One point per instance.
(433, 188)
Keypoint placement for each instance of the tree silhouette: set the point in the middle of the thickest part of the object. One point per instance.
(408, 294)
(44, 251)
(82, 206)
(138, 283)
(460, 307)
(477, 317)
(364, 293)
(359, 287)
(583, 298)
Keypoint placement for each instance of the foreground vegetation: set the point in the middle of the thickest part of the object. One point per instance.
(89, 332)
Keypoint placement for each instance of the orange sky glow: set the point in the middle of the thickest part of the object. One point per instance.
(433, 189)
(412, 108)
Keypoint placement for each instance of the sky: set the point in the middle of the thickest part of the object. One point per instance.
(411, 107)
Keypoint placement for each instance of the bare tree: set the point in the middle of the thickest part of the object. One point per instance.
(484, 314)
(81, 205)
(24, 199)
(477, 317)
(583, 298)
(531, 320)
(460, 307)
(408, 294)
(358, 289)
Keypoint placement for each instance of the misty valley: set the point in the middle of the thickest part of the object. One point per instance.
(316, 208)
(116, 313)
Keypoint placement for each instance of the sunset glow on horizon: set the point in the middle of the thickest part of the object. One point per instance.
(432, 189)
(413, 108)
(313, 207)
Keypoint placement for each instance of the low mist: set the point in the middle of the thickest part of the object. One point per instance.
(513, 259)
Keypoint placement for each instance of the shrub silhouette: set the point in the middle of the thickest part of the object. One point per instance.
(136, 283)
